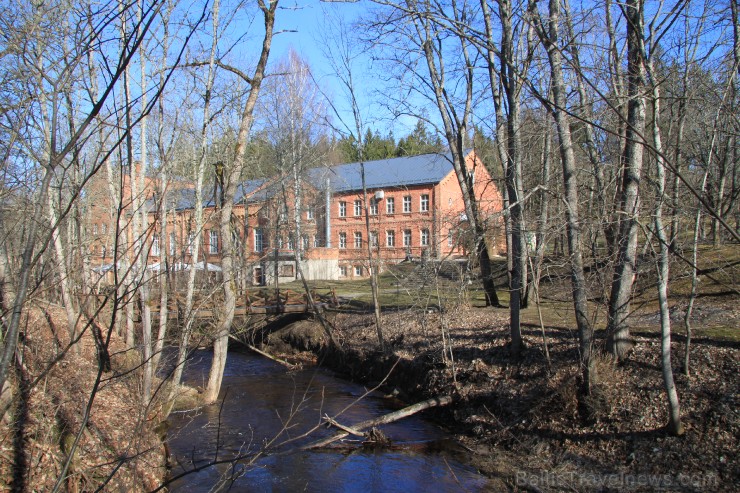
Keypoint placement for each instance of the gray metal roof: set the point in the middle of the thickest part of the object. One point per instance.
(397, 172)
(384, 173)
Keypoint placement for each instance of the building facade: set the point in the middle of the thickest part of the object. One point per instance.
(317, 227)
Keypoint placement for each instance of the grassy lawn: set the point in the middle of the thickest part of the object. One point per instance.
(719, 290)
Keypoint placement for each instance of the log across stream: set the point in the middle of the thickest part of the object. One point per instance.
(320, 422)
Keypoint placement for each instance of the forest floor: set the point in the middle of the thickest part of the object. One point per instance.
(118, 449)
(520, 420)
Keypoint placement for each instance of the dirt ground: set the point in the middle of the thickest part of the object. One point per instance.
(118, 449)
(520, 420)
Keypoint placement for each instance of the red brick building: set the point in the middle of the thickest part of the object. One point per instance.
(415, 208)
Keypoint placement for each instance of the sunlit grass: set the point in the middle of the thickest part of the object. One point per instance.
(719, 273)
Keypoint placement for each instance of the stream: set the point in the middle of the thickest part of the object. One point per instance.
(261, 400)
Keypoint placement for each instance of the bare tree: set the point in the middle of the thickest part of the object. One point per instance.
(231, 178)
(550, 36)
(62, 145)
(193, 240)
(440, 70)
(619, 342)
(339, 52)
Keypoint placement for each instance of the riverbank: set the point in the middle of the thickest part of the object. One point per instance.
(118, 447)
(520, 420)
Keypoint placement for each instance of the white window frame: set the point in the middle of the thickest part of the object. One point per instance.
(191, 243)
(424, 202)
(342, 271)
(259, 239)
(213, 245)
(309, 214)
(155, 244)
(173, 244)
(390, 205)
(342, 209)
(374, 239)
(373, 206)
(342, 240)
(407, 237)
(406, 204)
(358, 239)
(358, 207)
(358, 270)
(424, 239)
(390, 238)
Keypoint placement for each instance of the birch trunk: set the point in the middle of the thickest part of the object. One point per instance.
(619, 342)
(232, 176)
(194, 247)
(674, 414)
(550, 37)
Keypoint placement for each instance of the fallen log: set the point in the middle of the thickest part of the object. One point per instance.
(382, 420)
(266, 355)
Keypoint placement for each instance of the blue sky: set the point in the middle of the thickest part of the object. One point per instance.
(305, 18)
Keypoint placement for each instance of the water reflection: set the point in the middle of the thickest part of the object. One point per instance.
(263, 400)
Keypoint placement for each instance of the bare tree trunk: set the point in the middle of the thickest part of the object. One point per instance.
(510, 78)
(612, 218)
(194, 247)
(539, 252)
(140, 209)
(674, 415)
(374, 262)
(586, 114)
(63, 272)
(231, 180)
(165, 246)
(550, 37)
(619, 342)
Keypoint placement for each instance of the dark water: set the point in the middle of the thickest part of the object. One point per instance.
(263, 400)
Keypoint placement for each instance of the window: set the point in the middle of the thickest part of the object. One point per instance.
(424, 237)
(450, 239)
(287, 270)
(342, 240)
(390, 238)
(95, 229)
(407, 204)
(305, 242)
(342, 209)
(358, 207)
(406, 237)
(358, 270)
(213, 242)
(259, 238)
(155, 244)
(105, 228)
(309, 214)
(191, 242)
(342, 271)
(291, 246)
(373, 238)
(316, 241)
(173, 245)
(424, 203)
(390, 205)
(102, 251)
(358, 239)
(373, 207)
